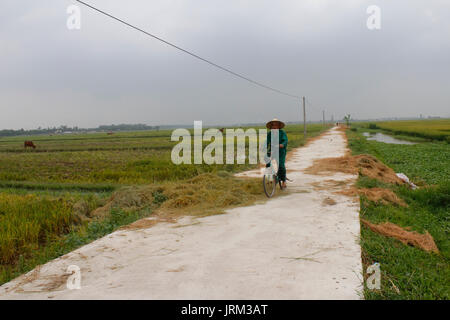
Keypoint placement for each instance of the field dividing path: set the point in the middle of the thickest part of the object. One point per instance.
(303, 245)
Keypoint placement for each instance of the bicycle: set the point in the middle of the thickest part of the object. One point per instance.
(270, 180)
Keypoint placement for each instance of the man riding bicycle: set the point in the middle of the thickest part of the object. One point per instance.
(276, 124)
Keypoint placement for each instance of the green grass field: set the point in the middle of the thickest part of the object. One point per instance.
(47, 194)
(416, 274)
(427, 129)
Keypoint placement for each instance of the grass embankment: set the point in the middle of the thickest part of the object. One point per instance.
(409, 272)
(47, 228)
(86, 186)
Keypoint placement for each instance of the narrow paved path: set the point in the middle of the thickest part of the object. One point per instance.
(304, 245)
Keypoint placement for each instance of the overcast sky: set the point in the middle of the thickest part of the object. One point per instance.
(107, 73)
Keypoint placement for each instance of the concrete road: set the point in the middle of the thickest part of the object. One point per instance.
(304, 245)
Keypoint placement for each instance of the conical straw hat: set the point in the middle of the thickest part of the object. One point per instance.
(269, 124)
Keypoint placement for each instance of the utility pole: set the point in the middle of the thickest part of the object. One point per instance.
(304, 117)
(323, 117)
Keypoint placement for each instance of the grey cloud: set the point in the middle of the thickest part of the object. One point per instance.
(108, 73)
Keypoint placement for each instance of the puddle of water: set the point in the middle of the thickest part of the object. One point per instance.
(381, 137)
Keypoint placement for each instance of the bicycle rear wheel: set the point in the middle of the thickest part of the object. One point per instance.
(270, 184)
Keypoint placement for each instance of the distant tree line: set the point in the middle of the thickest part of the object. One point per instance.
(126, 127)
(63, 129)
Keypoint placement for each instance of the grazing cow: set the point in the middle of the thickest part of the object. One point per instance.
(29, 144)
(110, 133)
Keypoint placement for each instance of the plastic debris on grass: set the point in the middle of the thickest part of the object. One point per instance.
(406, 180)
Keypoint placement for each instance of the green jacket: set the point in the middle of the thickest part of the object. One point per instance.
(283, 139)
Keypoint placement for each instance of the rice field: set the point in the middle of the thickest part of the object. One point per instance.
(29, 221)
(428, 129)
(408, 272)
(47, 194)
(122, 159)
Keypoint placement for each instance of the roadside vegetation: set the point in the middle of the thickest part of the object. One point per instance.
(75, 188)
(408, 272)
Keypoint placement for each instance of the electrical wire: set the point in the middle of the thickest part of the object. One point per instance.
(190, 53)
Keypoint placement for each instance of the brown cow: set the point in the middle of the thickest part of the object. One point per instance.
(29, 144)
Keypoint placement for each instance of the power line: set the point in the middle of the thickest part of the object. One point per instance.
(190, 53)
(309, 102)
(312, 104)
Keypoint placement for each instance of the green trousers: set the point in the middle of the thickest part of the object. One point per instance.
(283, 139)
